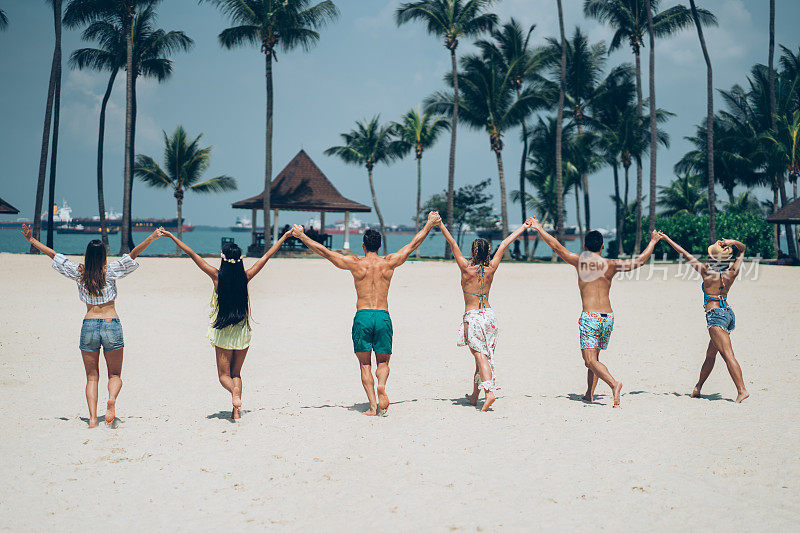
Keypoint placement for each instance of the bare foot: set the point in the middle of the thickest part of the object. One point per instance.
(110, 411)
(472, 398)
(742, 396)
(92, 423)
(616, 390)
(236, 397)
(236, 414)
(383, 399)
(588, 397)
(696, 393)
(489, 401)
(372, 411)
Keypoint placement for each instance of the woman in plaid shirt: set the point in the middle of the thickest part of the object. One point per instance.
(97, 288)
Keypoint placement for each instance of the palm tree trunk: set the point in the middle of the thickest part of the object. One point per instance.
(132, 156)
(585, 185)
(790, 244)
(544, 220)
(101, 200)
(578, 214)
(451, 168)
(776, 240)
(377, 209)
(180, 224)
(503, 202)
(712, 223)
(624, 211)
(125, 236)
(419, 197)
(48, 115)
(523, 203)
(653, 127)
(560, 131)
(268, 153)
(771, 62)
(56, 113)
(639, 176)
(618, 210)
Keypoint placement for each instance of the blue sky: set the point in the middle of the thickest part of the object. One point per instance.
(364, 65)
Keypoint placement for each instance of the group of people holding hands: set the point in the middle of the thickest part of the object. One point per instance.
(229, 330)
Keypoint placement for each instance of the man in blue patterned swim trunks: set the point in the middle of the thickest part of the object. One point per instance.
(595, 274)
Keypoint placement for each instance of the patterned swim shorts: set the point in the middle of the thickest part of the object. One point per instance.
(595, 329)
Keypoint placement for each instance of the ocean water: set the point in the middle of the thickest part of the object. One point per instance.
(207, 241)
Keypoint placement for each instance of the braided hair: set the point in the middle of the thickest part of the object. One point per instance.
(481, 252)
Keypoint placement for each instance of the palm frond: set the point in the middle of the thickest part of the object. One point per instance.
(218, 184)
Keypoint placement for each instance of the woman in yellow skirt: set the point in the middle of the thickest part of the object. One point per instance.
(229, 329)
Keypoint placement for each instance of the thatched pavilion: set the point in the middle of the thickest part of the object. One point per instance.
(789, 214)
(7, 209)
(301, 186)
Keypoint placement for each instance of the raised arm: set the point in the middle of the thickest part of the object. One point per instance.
(258, 265)
(498, 255)
(399, 257)
(553, 243)
(339, 261)
(641, 259)
(26, 232)
(740, 258)
(461, 261)
(692, 260)
(145, 243)
(199, 261)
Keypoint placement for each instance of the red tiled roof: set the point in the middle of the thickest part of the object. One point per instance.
(7, 208)
(790, 214)
(302, 186)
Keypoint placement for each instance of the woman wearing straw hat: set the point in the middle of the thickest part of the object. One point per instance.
(718, 275)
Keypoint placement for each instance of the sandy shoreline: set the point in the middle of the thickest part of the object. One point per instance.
(303, 457)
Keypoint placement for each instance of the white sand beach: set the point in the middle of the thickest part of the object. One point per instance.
(303, 457)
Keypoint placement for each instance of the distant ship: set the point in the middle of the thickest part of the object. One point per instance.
(242, 224)
(62, 218)
(81, 229)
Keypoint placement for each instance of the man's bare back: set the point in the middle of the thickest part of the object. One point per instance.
(372, 276)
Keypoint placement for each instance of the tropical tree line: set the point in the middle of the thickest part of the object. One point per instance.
(574, 115)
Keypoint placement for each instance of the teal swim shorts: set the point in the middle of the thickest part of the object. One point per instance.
(372, 331)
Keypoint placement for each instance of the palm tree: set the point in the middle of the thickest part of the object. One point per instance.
(685, 195)
(110, 56)
(273, 25)
(450, 20)
(744, 203)
(51, 115)
(369, 144)
(562, 86)
(585, 63)
(510, 46)
(629, 20)
(418, 131)
(489, 102)
(712, 227)
(184, 165)
(146, 54)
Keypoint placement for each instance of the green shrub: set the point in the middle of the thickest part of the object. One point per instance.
(691, 232)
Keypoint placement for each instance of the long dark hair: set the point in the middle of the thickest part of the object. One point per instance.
(481, 252)
(233, 302)
(93, 271)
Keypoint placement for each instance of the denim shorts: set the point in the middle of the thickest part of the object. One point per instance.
(97, 332)
(722, 317)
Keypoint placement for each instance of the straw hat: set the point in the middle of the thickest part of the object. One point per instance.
(720, 253)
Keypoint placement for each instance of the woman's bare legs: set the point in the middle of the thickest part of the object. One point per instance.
(224, 358)
(91, 361)
(722, 340)
(708, 366)
(485, 372)
(114, 366)
(236, 376)
(473, 397)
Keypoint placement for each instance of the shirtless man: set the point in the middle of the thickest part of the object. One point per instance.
(595, 274)
(372, 326)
